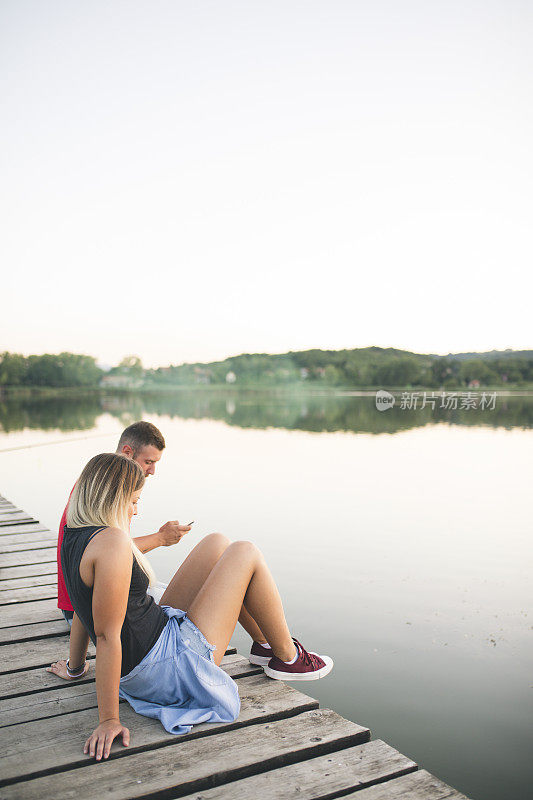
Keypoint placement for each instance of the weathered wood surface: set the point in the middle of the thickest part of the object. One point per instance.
(334, 773)
(56, 743)
(48, 568)
(35, 653)
(12, 517)
(327, 775)
(35, 630)
(62, 697)
(22, 583)
(23, 613)
(191, 762)
(23, 527)
(27, 541)
(281, 746)
(419, 785)
(10, 596)
(28, 557)
(31, 681)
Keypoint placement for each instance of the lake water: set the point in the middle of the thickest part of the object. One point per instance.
(400, 540)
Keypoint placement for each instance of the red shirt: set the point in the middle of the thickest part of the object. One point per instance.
(63, 601)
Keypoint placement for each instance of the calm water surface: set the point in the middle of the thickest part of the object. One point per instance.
(401, 543)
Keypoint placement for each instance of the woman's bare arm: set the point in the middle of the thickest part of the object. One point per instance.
(112, 561)
(79, 642)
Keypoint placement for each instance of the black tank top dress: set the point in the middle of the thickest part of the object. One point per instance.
(144, 620)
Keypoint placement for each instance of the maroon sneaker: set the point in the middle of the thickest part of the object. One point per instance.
(307, 667)
(261, 655)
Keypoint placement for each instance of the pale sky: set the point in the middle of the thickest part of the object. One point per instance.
(191, 180)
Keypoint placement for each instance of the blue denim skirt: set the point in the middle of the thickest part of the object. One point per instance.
(178, 681)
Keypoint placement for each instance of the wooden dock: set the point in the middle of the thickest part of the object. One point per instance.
(282, 746)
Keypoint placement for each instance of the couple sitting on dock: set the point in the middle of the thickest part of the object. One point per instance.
(162, 657)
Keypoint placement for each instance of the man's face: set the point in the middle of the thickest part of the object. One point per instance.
(147, 457)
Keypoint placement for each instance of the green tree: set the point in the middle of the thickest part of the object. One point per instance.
(13, 369)
(476, 369)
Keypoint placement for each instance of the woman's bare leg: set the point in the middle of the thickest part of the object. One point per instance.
(192, 575)
(250, 626)
(241, 576)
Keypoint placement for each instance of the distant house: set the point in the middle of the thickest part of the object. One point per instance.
(202, 375)
(230, 377)
(304, 373)
(120, 382)
(474, 384)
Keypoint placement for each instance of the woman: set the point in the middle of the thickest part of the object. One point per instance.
(165, 659)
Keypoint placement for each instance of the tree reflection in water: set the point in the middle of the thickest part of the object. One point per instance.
(251, 409)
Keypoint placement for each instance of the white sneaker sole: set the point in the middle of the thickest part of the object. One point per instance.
(303, 676)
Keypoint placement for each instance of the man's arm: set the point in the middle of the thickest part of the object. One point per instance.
(147, 543)
(168, 534)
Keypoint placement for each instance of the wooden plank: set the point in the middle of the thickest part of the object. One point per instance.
(28, 557)
(35, 630)
(25, 613)
(49, 568)
(419, 785)
(18, 547)
(28, 538)
(23, 527)
(35, 653)
(36, 679)
(31, 748)
(12, 517)
(35, 580)
(73, 696)
(28, 708)
(11, 596)
(329, 775)
(30, 681)
(189, 762)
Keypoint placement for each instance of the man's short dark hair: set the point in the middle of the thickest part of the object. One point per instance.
(139, 435)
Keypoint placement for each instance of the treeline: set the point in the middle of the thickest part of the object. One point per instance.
(359, 368)
(364, 367)
(63, 370)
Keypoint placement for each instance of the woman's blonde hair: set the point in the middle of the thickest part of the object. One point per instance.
(102, 495)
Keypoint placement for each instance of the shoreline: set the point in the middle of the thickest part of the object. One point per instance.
(51, 392)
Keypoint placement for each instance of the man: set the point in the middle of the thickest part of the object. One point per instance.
(143, 443)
